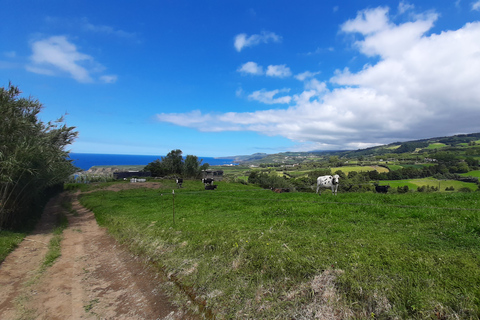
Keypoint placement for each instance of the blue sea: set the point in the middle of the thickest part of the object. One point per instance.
(87, 160)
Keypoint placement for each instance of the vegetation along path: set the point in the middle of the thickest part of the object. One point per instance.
(93, 278)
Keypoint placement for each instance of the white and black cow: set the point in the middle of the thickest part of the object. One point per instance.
(207, 181)
(328, 182)
(381, 189)
(179, 182)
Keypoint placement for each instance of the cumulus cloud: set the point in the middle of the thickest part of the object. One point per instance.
(107, 30)
(242, 40)
(384, 38)
(280, 71)
(267, 97)
(109, 78)
(56, 55)
(305, 75)
(404, 7)
(420, 85)
(476, 5)
(251, 68)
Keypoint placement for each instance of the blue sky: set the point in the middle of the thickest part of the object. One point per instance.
(222, 78)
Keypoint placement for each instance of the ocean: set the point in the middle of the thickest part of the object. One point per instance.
(87, 160)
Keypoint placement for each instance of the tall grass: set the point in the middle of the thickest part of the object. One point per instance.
(9, 240)
(54, 246)
(252, 253)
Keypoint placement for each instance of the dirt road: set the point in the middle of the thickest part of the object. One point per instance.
(94, 278)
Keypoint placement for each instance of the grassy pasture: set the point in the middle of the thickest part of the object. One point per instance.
(252, 253)
(415, 183)
(436, 145)
(9, 240)
(475, 173)
(348, 169)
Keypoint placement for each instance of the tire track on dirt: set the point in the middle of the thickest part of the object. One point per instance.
(23, 262)
(94, 278)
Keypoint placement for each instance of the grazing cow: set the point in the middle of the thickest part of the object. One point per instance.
(210, 187)
(381, 189)
(179, 182)
(207, 181)
(328, 182)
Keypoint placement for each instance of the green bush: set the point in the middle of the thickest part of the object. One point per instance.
(33, 160)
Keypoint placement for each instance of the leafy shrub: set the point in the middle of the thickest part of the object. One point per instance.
(464, 189)
(268, 180)
(427, 189)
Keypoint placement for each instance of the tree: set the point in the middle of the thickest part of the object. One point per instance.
(156, 168)
(192, 166)
(33, 158)
(173, 162)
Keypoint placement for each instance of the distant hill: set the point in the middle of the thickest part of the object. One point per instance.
(461, 140)
(246, 158)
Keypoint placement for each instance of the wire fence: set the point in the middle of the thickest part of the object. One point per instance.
(186, 193)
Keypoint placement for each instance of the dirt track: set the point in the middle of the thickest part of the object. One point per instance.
(94, 278)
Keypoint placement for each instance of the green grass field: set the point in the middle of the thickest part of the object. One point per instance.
(436, 145)
(348, 169)
(9, 240)
(251, 253)
(475, 173)
(413, 184)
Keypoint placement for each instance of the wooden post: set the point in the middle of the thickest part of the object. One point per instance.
(173, 197)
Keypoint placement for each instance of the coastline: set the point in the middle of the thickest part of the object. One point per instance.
(86, 161)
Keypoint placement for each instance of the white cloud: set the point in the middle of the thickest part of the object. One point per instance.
(239, 92)
(267, 97)
(251, 68)
(242, 40)
(404, 7)
(315, 85)
(56, 55)
(476, 5)
(421, 85)
(384, 38)
(305, 75)
(280, 71)
(109, 78)
(368, 21)
(108, 30)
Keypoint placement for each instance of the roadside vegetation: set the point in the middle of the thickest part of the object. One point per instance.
(247, 252)
(33, 164)
(173, 164)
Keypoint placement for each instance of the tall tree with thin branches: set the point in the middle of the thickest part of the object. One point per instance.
(33, 158)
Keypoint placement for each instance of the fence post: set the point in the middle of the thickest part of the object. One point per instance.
(173, 197)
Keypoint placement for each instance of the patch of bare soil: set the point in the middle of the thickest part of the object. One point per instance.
(133, 185)
(94, 278)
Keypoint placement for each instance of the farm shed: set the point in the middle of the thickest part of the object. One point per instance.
(214, 174)
(130, 174)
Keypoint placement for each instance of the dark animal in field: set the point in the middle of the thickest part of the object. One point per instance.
(179, 182)
(381, 189)
(280, 190)
(210, 187)
(207, 181)
(328, 182)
